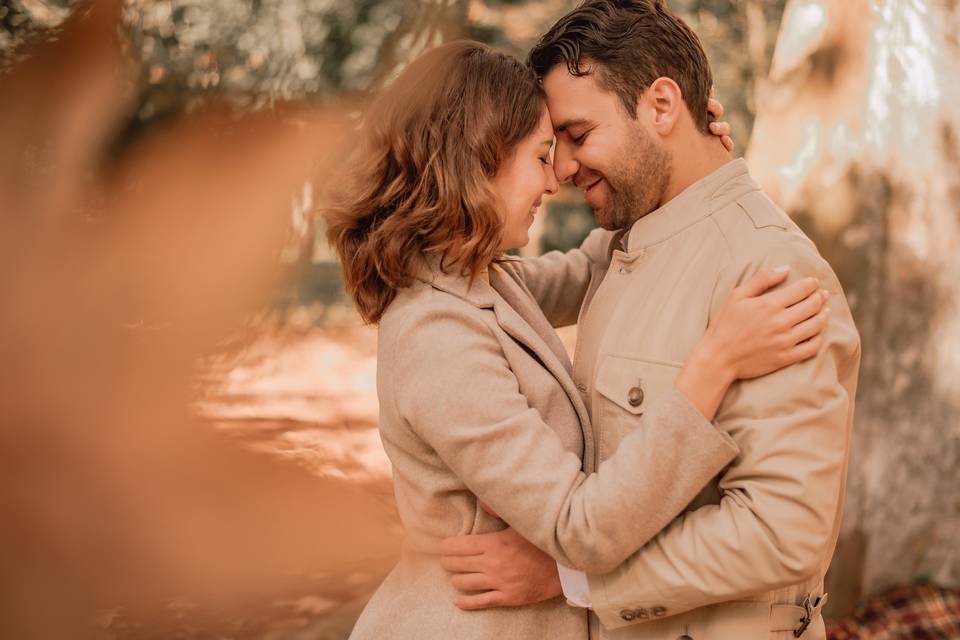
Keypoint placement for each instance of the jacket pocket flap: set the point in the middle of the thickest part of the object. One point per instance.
(632, 384)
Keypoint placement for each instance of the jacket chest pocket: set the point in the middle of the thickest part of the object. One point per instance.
(625, 388)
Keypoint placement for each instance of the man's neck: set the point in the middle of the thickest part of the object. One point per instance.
(694, 158)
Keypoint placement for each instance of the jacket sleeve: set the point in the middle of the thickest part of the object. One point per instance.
(781, 498)
(458, 394)
(559, 280)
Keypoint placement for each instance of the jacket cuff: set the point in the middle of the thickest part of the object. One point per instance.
(615, 616)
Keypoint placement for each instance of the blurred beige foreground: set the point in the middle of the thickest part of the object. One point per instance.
(115, 500)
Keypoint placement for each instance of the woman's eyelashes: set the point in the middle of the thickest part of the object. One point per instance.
(579, 139)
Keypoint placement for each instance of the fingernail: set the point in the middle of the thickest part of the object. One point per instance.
(782, 269)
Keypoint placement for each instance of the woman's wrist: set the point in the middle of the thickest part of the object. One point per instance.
(705, 378)
(714, 361)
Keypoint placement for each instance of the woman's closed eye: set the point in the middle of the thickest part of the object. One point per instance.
(578, 140)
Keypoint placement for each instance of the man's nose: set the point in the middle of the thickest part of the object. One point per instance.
(564, 163)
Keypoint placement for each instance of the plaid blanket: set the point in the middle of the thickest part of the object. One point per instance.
(917, 612)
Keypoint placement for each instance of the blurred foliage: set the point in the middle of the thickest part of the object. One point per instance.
(259, 51)
(253, 53)
(568, 223)
(23, 20)
(739, 37)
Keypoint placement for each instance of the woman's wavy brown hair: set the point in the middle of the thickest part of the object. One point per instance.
(419, 185)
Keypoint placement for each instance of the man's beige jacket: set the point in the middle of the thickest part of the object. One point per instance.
(477, 402)
(739, 563)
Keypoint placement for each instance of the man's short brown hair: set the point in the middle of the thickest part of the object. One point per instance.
(631, 43)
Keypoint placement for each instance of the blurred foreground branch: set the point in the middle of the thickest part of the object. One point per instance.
(121, 273)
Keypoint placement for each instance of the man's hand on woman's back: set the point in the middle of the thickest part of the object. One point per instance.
(499, 569)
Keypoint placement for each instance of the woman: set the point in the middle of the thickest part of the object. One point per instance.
(476, 400)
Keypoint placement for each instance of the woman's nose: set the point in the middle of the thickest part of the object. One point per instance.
(551, 186)
(564, 164)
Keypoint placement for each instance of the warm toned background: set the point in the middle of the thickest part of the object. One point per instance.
(188, 436)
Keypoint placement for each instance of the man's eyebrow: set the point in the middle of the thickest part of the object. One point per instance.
(570, 122)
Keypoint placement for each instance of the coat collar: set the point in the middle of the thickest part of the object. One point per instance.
(518, 315)
(478, 292)
(694, 203)
(515, 310)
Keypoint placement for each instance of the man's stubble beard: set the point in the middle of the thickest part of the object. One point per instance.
(642, 174)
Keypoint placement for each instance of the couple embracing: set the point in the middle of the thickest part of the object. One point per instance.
(683, 476)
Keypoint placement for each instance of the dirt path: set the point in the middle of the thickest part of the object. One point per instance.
(309, 398)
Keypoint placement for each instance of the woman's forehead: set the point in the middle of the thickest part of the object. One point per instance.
(545, 126)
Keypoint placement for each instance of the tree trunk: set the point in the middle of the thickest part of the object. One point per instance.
(858, 137)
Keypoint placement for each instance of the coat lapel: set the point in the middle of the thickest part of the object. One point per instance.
(523, 320)
(520, 317)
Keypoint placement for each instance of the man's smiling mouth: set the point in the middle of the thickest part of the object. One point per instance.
(589, 188)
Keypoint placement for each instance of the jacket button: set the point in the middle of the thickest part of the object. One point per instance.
(627, 614)
(635, 396)
(659, 612)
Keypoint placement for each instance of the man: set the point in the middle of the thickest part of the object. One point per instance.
(627, 84)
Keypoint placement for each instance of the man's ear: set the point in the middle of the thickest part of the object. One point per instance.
(664, 101)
